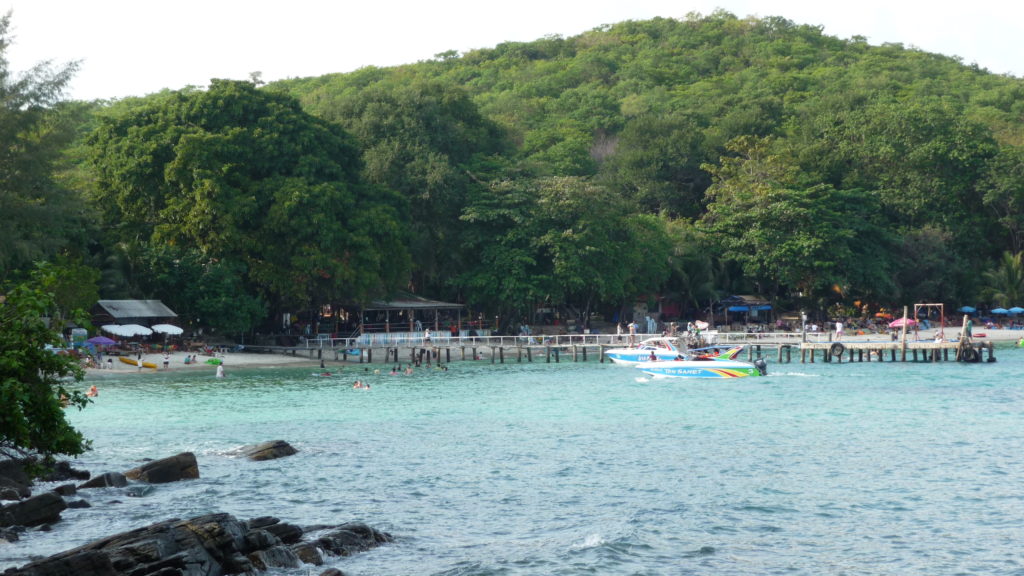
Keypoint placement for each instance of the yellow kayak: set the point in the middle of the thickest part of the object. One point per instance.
(134, 362)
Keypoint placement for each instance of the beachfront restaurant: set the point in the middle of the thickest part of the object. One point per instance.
(405, 317)
(129, 312)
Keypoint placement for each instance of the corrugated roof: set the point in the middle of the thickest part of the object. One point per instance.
(407, 301)
(137, 309)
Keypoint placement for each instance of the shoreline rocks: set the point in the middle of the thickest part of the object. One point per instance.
(207, 545)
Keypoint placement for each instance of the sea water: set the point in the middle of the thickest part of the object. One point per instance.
(586, 468)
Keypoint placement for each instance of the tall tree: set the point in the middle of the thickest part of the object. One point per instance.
(803, 237)
(244, 175)
(1004, 283)
(32, 378)
(422, 139)
(38, 214)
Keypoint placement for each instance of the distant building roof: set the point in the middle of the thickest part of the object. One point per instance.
(124, 309)
(407, 301)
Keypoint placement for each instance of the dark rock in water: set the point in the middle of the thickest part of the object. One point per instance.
(66, 490)
(106, 480)
(8, 535)
(14, 481)
(41, 509)
(15, 470)
(63, 471)
(332, 572)
(348, 539)
(79, 504)
(309, 553)
(179, 467)
(215, 544)
(267, 450)
(12, 493)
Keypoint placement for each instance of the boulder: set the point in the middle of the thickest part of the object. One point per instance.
(15, 471)
(206, 545)
(66, 489)
(267, 450)
(62, 471)
(106, 480)
(34, 511)
(332, 572)
(179, 467)
(14, 481)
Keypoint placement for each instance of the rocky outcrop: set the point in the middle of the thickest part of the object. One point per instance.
(267, 450)
(209, 545)
(42, 509)
(106, 480)
(14, 481)
(62, 471)
(180, 467)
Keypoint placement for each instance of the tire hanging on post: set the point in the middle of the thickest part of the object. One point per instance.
(837, 349)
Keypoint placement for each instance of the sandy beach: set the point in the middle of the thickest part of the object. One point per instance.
(176, 362)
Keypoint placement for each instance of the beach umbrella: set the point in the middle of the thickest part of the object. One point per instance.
(1015, 310)
(116, 330)
(101, 341)
(999, 311)
(167, 329)
(136, 330)
(900, 322)
(967, 309)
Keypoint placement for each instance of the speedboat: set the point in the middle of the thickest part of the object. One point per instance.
(663, 348)
(706, 366)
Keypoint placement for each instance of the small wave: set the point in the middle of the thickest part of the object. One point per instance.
(590, 541)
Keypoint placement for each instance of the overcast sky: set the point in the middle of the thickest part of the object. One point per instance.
(136, 47)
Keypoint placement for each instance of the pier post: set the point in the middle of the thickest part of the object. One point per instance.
(501, 353)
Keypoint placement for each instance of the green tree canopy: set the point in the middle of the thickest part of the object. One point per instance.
(39, 215)
(245, 176)
(32, 378)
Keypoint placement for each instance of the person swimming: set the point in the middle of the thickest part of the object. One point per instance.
(93, 391)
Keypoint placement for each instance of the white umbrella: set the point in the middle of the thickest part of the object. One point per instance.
(114, 329)
(167, 329)
(136, 330)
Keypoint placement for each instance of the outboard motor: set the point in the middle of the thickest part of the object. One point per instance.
(761, 366)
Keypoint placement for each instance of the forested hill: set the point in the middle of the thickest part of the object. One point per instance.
(925, 149)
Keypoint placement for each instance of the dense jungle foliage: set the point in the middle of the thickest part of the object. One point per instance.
(685, 159)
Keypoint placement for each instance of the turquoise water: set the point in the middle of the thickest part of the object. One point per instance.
(588, 468)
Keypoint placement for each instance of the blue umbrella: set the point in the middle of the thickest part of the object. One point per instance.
(967, 309)
(1000, 311)
(1015, 310)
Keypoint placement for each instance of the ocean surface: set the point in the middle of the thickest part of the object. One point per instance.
(587, 468)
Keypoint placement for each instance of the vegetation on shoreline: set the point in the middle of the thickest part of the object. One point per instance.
(688, 159)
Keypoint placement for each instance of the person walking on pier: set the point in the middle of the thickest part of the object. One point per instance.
(839, 330)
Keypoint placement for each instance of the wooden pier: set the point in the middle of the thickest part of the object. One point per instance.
(782, 347)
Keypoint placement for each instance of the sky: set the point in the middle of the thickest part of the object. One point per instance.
(137, 47)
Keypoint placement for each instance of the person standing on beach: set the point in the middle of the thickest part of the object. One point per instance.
(632, 333)
(839, 330)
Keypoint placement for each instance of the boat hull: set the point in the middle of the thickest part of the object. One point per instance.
(700, 369)
(631, 356)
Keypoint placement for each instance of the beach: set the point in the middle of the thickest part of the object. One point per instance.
(176, 362)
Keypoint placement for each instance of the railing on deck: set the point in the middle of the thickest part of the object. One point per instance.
(445, 339)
